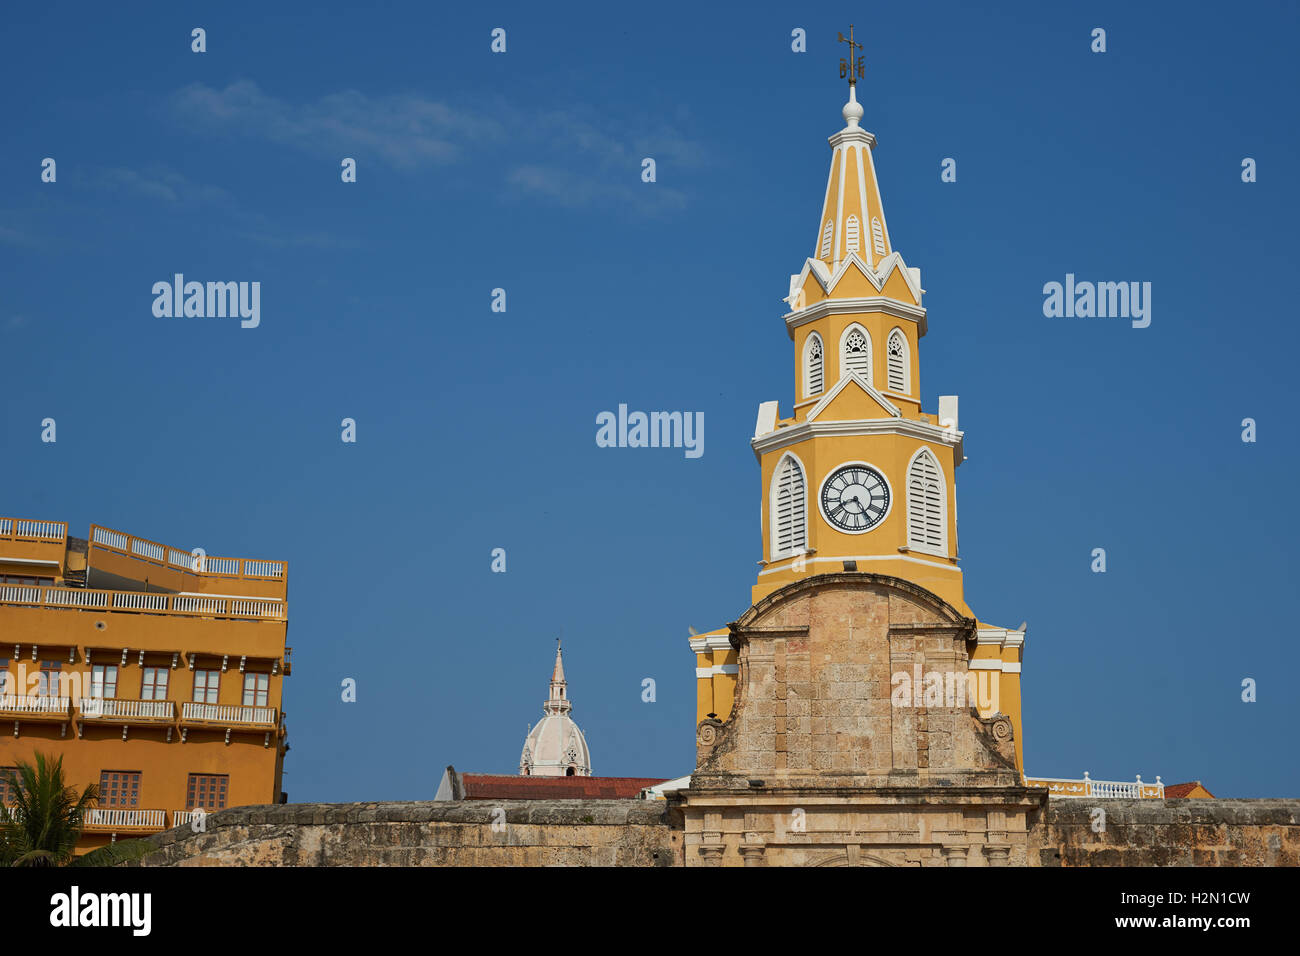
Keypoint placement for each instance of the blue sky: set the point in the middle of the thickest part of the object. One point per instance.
(476, 430)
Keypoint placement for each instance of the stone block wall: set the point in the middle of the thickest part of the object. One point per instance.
(467, 833)
(1167, 833)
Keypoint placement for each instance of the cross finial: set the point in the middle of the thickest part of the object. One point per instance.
(852, 67)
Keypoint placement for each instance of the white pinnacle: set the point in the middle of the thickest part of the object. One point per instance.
(852, 109)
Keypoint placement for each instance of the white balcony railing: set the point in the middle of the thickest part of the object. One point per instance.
(1105, 789)
(27, 528)
(143, 602)
(229, 714)
(118, 819)
(97, 708)
(161, 554)
(33, 704)
(184, 818)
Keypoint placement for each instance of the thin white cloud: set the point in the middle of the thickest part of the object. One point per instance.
(571, 157)
(406, 131)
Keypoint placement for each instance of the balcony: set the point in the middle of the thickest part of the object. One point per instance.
(121, 710)
(35, 544)
(230, 715)
(119, 553)
(111, 820)
(35, 707)
(141, 602)
(1103, 789)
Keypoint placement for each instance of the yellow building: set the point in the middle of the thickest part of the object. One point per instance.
(858, 476)
(155, 672)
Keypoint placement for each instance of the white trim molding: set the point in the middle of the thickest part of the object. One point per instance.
(859, 306)
(704, 643)
(707, 673)
(911, 428)
(983, 664)
(774, 567)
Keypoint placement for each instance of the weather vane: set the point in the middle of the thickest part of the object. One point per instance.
(852, 67)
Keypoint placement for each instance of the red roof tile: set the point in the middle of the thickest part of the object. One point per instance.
(1175, 791)
(486, 786)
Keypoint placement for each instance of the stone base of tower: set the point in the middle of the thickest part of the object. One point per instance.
(860, 734)
(833, 826)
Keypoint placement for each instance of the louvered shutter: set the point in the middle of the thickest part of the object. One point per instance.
(851, 234)
(815, 361)
(857, 353)
(926, 520)
(896, 360)
(877, 236)
(789, 508)
(827, 233)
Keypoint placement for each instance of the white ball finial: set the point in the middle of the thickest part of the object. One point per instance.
(852, 109)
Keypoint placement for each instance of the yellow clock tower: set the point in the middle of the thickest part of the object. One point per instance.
(859, 477)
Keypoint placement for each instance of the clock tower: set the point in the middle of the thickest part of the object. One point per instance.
(858, 485)
(858, 471)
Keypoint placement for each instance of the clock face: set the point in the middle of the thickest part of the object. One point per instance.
(855, 498)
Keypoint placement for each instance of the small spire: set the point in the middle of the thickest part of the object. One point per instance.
(558, 701)
(558, 674)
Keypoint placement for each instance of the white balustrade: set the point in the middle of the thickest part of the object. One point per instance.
(33, 704)
(95, 708)
(45, 530)
(113, 539)
(229, 714)
(113, 818)
(139, 601)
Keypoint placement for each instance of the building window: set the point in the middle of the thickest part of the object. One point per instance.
(851, 234)
(857, 352)
(255, 689)
(47, 682)
(8, 781)
(153, 686)
(23, 580)
(813, 362)
(206, 684)
(927, 518)
(827, 233)
(896, 360)
(103, 681)
(877, 236)
(788, 509)
(207, 790)
(119, 788)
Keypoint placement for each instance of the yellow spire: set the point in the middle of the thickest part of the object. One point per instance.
(853, 218)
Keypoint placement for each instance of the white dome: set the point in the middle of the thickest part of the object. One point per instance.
(555, 747)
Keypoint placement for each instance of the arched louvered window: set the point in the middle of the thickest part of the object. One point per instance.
(856, 352)
(813, 362)
(789, 509)
(851, 234)
(896, 362)
(877, 236)
(827, 234)
(927, 518)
